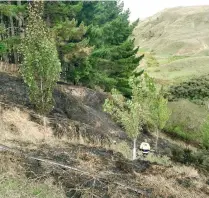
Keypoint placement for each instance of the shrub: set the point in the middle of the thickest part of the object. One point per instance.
(202, 159)
(205, 133)
(199, 159)
(184, 156)
(179, 133)
(123, 148)
(164, 160)
(196, 90)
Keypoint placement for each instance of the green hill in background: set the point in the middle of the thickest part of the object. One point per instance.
(179, 38)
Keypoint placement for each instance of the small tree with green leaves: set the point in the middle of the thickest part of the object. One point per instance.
(41, 66)
(131, 113)
(159, 112)
(151, 60)
(205, 133)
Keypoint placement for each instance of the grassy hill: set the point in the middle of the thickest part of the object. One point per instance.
(180, 38)
(179, 31)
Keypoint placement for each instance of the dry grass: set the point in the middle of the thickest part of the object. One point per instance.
(166, 182)
(9, 68)
(14, 184)
(185, 171)
(16, 125)
(13, 187)
(123, 148)
(175, 181)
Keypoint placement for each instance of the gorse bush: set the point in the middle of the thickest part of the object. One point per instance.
(179, 133)
(196, 90)
(202, 159)
(184, 156)
(199, 159)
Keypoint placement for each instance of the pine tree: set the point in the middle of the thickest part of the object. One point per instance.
(11, 13)
(72, 46)
(114, 55)
(41, 66)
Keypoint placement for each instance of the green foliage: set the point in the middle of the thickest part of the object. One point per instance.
(164, 160)
(202, 159)
(11, 9)
(131, 113)
(174, 58)
(56, 11)
(180, 133)
(185, 121)
(126, 112)
(160, 112)
(3, 48)
(199, 158)
(196, 90)
(73, 49)
(205, 133)
(10, 30)
(114, 53)
(151, 61)
(41, 65)
(185, 156)
(123, 148)
(73, 46)
(92, 39)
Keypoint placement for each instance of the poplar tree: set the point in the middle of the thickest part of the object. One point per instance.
(41, 66)
(132, 113)
(159, 112)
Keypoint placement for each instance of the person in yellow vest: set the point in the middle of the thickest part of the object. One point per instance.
(145, 148)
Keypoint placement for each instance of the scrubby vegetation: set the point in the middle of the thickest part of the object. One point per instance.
(195, 90)
(61, 139)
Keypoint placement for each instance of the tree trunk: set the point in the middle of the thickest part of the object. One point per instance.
(13, 34)
(157, 137)
(45, 131)
(48, 20)
(42, 110)
(134, 149)
(5, 55)
(20, 19)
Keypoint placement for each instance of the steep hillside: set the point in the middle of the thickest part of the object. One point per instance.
(179, 37)
(176, 31)
(75, 156)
